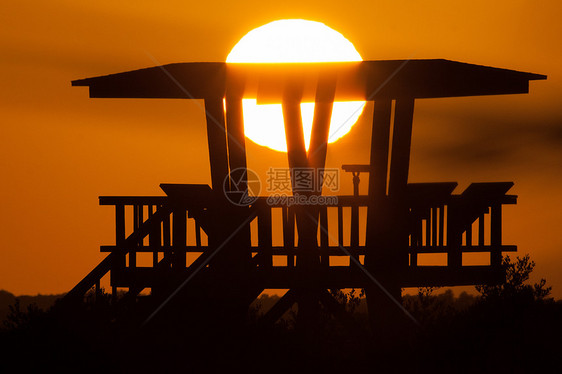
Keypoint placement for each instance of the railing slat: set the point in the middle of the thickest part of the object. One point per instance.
(324, 260)
(264, 235)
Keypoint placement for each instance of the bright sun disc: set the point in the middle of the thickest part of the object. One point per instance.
(294, 40)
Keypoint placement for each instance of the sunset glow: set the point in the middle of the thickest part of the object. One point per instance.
(294, 40)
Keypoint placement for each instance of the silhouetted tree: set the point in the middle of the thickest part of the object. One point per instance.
(350, 298)
(515, 286)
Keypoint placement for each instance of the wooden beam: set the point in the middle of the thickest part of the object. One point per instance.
(179, 240)
(216, 138)
(235, 129)
(264, 235)
(379, 148)
(323, 105)
(296, 149)
(496, 235)
(279, 308)
(401, 142)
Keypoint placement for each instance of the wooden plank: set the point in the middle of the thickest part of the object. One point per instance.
(148, 249)
(197, 234)
(474, 248)
(354, 235)
(469, 235)
(487, 190)
(265, 236)
(154, 237)
(166, 236)
(120, 260)
(132, 200)
(323, 223)
(235, 136)
(179, 239)
(289, 235)
(427, 229)
(132, 252)
(356, 168)
(356, 80)
(379, 148)
(434, 218)
(296, 150)
(323, 104)
(93, 276)
(496, 235)
(340, 226)
(216, 138)
(454, 237)
(401, 141)
(279, 308)
(441, 225)
(481, 230)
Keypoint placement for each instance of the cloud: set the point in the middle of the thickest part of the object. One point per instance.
(497, 140)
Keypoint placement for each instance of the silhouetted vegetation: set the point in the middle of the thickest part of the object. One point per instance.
(8, 299)
(515, 286)
(510, 327)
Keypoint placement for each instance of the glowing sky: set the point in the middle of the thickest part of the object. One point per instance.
(294, 40)
(60, 150)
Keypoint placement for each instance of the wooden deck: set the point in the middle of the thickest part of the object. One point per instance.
(171, 234)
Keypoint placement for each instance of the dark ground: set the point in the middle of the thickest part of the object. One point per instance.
(464, 334)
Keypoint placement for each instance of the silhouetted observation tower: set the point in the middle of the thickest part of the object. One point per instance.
(404, 220)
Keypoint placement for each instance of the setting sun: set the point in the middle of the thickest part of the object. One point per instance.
(294, 40)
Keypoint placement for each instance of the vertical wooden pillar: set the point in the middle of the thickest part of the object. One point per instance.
(324, 258)
(154, 237)
(137, 212)
(454, 235)
(235, 130)
(441, 225)
(120, 261)
(296, 149)
(481, 229)
(323, 106)
(388, 216)
(264, 236)
(354, 239)
(179, 239)
(166, 236)
(289, 234)
(216, 138)
(496, 235)
(340, 226)
(238, 255)
(434, 224)
(120, 234)
(307, 259)
(401, 142)
(218, 229)
(379, 150)
(398, 182)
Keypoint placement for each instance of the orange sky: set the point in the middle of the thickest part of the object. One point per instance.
(60, 150)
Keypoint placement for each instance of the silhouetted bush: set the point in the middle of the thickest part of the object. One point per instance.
(504, 330)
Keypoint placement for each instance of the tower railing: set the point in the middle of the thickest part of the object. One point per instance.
(157, 236)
